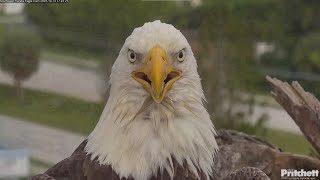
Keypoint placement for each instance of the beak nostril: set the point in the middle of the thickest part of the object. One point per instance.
(143, 76)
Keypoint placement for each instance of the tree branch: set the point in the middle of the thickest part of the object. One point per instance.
(302, 106)
(238, 150)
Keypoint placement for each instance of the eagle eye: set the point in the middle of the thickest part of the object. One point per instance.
(181, 55)
(132, 56)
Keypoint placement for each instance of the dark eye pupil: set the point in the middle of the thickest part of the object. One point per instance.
(132, 55)
(180, 55)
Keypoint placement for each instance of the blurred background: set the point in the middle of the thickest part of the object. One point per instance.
(55, 61)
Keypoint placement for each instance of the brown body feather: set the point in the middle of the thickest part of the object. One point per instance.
(79, 166)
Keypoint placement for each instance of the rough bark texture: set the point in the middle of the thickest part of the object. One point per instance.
(247, 173)
(302, 106)
(239, 150)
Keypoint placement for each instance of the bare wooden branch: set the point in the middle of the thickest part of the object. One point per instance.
(302, 106)
(238, 150)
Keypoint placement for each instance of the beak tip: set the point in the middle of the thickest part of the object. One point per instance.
(157, 99)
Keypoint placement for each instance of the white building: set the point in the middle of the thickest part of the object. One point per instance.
(12, 8)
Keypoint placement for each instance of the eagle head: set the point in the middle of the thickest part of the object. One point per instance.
(155, 114)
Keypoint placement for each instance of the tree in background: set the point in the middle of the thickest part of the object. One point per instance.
(222, 37)
(97, 24)
(19, 57)
(227, 33)
(295, 36)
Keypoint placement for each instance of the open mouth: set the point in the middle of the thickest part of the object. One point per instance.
(172, 75)
(157, 75)
(143, 76)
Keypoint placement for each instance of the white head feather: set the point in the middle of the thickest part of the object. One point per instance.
(138, 142)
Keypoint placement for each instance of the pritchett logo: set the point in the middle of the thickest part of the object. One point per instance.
(299, 174)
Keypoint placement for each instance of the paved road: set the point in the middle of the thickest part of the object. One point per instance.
(76, 82)
(46, 144)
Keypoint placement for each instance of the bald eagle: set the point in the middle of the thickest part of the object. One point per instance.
(154, 125)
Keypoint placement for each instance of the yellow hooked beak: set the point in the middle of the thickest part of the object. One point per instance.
(157, 75)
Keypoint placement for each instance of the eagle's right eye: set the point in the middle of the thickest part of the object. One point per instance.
(132, 56)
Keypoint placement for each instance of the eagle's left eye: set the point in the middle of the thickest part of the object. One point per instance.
(181, 55)
(132, 56)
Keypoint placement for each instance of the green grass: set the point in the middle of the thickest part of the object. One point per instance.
(51, 109)
(70, 60)
(36, 162)
(287, 141)
(69, 50)
(2, 32)
(79, 116)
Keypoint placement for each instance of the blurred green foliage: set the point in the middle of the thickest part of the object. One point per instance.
(96, 24)
(307, 54)
(99, 24)
(229, 32)
(19, 56)
(239, 25)
(226, 37)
